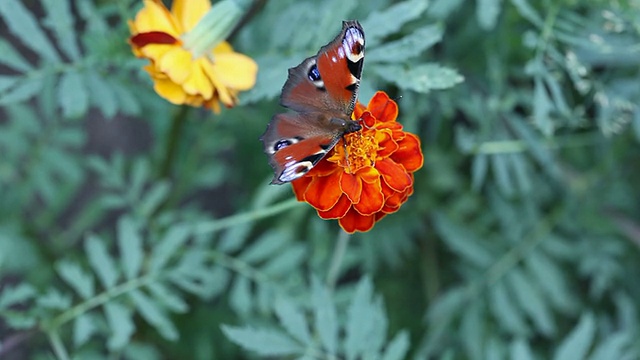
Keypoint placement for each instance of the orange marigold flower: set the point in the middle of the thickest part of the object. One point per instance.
(369, 174)
(189, 62)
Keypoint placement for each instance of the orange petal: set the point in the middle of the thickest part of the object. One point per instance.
(300, 186)
(369, 174)
(383, 108)
(393, 174)
(372, 199)
(339, 210)
(323, 168)
(409, 153)
(386, 143)
(358, 110)
(352, 222)
(323, 192)
(368, 119)
(351, 186)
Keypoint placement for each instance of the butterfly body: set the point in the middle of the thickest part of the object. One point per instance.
(322, 92)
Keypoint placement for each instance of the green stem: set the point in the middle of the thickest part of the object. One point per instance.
(58, 345)
(173, 138)
(336, 259)
(210, 227)
(98, 300)
(514, 146)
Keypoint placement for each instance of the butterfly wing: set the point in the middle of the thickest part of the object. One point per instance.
(323, 91)
(296, 142)
(328, 81)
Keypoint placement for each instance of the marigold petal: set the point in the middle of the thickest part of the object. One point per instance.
(189, 12)
(352, 221)
(170, 91)
(369, 174)
(323, 192)
(197, 82)
(324, 168)
(386, 144)
(358, 110)
(222, 48)
(236, 71)
(222, 91)
(368, 119)
(409, 153)
(351, 185)
(338, 210)
(154, 16)
(152, 37)
(371, 200)
(177, 64)
(300, 186)
(383, 108)
(394, 174)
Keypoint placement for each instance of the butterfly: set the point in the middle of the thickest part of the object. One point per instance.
(322, 93)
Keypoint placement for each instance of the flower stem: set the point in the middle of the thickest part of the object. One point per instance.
(336, 259)
(209, 227)
(57, 345)
(173, 138)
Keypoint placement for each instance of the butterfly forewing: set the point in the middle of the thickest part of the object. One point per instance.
(322, 91)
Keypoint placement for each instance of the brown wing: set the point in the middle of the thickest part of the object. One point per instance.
(328, 81)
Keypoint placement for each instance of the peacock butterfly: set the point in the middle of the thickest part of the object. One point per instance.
(322, 92)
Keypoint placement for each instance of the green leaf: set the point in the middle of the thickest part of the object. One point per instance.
(407, 47)
(158, 193)
(25, 27)
(130, 245)
(471, 329)
(552, 280)
(73, 97)
(462, 241)
(479, 171)
(398, 347)
(501, 174)
(12, 58)
(22, 91)
(528, 12)
(101, 94)
(487, 12)
(81, 281)
(520, 350)
(150, 311)
(60, 20)
(55, 300)
(240, 297)
(162, 252)
(542, 107)
(262, 341)
(503, 308)
(12, 295)
(325, 316)
(84, 327)
(421, 78)
(576, 345)
(120, 323)
(531, 301)
(7, 82)
(293, 320)
(266, 246)
(168, 297)
(101, 262)
(379, 24)
(127, 100)
(287, 261)
(360, 325)
(614, 347)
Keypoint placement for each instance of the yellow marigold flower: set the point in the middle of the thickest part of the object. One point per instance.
(189, 61)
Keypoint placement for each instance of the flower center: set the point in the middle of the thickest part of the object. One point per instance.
(360, 150)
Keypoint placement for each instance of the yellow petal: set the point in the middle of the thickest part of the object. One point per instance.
(189, 12)
(170, 91)
(198, 82)
(222, 48)
(155, 17)
(155, 52)
(177, 64)
(235, 70)
(221, 89)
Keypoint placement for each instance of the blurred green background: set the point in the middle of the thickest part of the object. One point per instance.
(131, 228)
